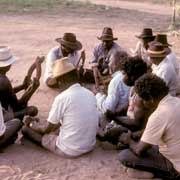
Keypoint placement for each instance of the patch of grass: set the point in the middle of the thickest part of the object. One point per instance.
(39, 5)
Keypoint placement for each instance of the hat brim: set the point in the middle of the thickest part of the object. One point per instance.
(143, 37)
(157, 55)
(8, 62)
(107, 38)
(75, 46)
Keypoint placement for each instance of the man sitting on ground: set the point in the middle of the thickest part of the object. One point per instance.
(162, 130)
(142, 46)
(132, 69)
(162, 67)
(73, 114)
(69, 47)
(118, 91)
(8, 97)
(103, 51)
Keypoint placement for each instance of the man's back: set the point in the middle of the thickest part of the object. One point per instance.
(76, 111)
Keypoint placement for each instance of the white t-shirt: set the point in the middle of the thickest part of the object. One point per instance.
(162, 129)
(75, 109)
(173, 59)
(2, 125)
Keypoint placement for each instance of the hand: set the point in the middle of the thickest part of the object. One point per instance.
(28, 120)
(125, 137)
(27, 81)
(31, 111)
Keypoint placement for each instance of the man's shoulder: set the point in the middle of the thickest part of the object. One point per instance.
(4, 81)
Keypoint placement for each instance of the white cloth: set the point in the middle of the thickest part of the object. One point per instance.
(100, 53)
(117, 96)
(2, 125)
(75, 109)
(162, 129)
(55, 54)
(141, 52)
(174, 60)
(166, 71)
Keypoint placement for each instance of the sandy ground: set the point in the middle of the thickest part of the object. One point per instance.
(30, 35)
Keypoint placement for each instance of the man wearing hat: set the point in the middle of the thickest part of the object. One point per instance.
(8, 97)
(103, 51)
(162, 67)
(73, 114)
(69, 47)
(145, 38)
(162, 38)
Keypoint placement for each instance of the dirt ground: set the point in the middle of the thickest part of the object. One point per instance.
(33, 34)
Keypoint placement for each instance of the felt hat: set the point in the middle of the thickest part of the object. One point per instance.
(62, 66)
(146, 33)
(156, 50)
(162, 38)
(107, 34)
(6, 57)
(69, 40)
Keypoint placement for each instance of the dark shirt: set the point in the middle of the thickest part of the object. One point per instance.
(7, 95)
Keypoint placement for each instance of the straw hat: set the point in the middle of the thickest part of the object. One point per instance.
(107, 35)
(6, 57)
(69, 40)
(62, 66)
(156, 50)
(146, 33)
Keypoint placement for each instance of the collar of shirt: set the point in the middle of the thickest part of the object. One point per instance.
(116, 73)
(74, 86)
(164, 99)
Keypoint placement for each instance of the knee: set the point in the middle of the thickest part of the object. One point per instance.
(123, 156)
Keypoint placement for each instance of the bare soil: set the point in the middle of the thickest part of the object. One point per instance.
(33, 34)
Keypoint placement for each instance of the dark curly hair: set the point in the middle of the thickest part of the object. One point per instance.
(150, 86)
(134, 66)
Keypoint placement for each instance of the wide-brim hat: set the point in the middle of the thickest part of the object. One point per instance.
(69, 40)
(107, 35)
(6, 57)
(146, 33)
(156, 50)
(62, 66)
(162, 38)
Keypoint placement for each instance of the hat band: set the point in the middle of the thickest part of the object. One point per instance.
(6, 59)
(156, 52)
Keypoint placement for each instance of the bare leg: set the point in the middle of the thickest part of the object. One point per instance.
(32, 135)
(10, 135)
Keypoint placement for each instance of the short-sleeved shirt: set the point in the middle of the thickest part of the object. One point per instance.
(100, 53)
(166, 71)
(75, 109)
(2, 125)
(117, 96)
(162, 129)
(55, 54)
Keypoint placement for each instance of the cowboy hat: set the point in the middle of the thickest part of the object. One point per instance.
(62, 66)
(107, 35)
(6, 57)
(156, 50)
(146, 33)
(69, 40)
(162, 38)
